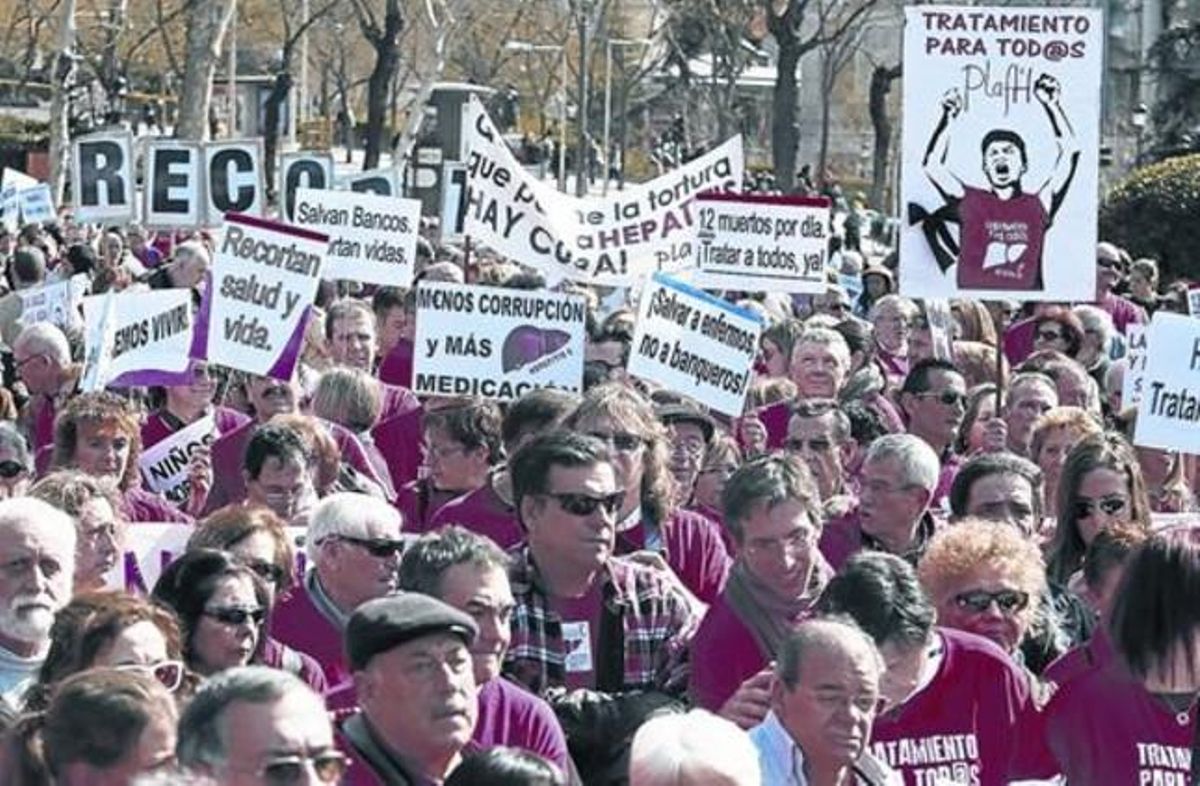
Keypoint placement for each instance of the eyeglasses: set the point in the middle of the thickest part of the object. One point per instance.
(236, 615)
(1109, 506)
(267, 571)
(979, 601)
(624, 443)
(585, 504)
(376, 547)
(167, 672)
(11, 469)
(329, 766)
(691, 448)
(950, 398)
(1108, 264)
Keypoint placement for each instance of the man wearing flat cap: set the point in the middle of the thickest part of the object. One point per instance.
(416, 691)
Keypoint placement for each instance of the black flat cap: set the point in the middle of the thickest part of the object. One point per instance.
(380, 624)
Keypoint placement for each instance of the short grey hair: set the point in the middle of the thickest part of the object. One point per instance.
(345, 513)
(907, 307)
(814, 635)
(45, 338)
(1093, 318)
(826, 337)
(693, 747)
(12, 438)
(201, 740)
(918, 463)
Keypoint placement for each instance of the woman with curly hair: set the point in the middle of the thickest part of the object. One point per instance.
(648, 520)
(98, 433)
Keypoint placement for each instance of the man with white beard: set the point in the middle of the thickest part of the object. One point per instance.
(37, 562)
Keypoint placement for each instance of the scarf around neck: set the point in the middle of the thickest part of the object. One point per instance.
(769, 615)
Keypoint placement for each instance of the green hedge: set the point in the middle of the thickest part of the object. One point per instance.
(1155, 212)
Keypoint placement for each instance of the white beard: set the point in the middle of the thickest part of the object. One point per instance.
(30, 625)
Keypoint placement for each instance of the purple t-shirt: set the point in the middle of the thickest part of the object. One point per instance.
(418, 501)
(1074, 663)
(399, 442)
(693, 548)
(396, 368)
(139, 505)
(1124, 312)
(156, 428)
(724, 654)
(511, 716)
(1001, 241)
(298, 623)
(1018, 340)
(483, 512)
(291, 660)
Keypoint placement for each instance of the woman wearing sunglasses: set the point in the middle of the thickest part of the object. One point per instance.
(221, 605)
(98, 433)
(648, 520)
(258, 539)
(112, 630)
(1101, 484)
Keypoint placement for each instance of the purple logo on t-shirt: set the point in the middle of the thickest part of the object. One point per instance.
(527, 344)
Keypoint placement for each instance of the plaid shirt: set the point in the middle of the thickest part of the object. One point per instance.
(657, 624)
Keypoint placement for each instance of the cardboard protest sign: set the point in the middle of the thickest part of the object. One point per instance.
(384, 182)
(234, 179)
(613, 240)
(138, 338)
(496, 343)
(102, 181)
(695, 344)
(174, 184)
(57, 303)
(1135, 372)
(761, 243)
(371, 238)
(264, 278)
(164, 465)
(36, 204)
(302, 170)
(1000, 151)
(1169, 412)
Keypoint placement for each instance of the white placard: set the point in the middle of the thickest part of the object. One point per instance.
(164, 464)
(265, 276)
(235, 179)
(102, 181)
(174, 184)
(695, 344)
(496, 343)
(371, 238)
(454, 196)
(1194, 302)
(614, 240)
(1135, 373)
(761, 243)
(302, 170)
(139, 332)
(10, 208)
(36, 204)
(57, 303)
(1000, 151)
(1169, 412)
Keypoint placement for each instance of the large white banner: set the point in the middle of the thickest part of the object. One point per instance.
(614, 240)
(164, 464)
(371, 238)
(264, 278)
(496, 343)
(695, 344)
(136, 332)
(1169, 412)
(1000, 151)
(102, 182)
(174, 184)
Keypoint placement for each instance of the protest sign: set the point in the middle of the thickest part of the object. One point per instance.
(454, 202)
(102, 178)
(36, 204)
(613, 240)
(234, 179)
(496, 343)
(937, 314)
(302, 170)
(1000, 151)
(1194, 302)
(384, 182)
(695, 344)
(174, 184)
(10, 208)
(371, 238)
(761, 243)
(1135, 372)
(138, 338)
(57, 303)
(164, 464)
(1169, 412)
(264, 279)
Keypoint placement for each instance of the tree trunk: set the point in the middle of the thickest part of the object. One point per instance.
(784, 133)
(386, 43)
(207, 22)
(60, 105)
(279, 93)
(881, 84)
(828, 78)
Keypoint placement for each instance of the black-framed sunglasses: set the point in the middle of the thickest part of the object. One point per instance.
(11, 469)
(1109, 506)
(236, 615)
(979, 601)
(329, 767)
(586, 505)
(376, 547)
(948, 397)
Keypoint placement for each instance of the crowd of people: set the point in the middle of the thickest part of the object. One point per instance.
(912, 560)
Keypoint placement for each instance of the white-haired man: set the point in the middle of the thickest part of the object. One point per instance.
(353, 548)
(42, 358)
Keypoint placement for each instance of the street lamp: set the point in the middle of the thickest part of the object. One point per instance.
(608, 96)
(529, 48)
(1138, 121)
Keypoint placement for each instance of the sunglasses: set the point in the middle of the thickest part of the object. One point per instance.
(267, 571)
(167, 672)
(1109, 506)
(376, 547)
(586, 505)
(236, 615)
(979, 601)
(624, 443)
(948, 397)
(329, 766)
(11, 469)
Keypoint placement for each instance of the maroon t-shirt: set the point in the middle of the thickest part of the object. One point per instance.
(691, 545)
(418, 501)
(724, 654)
(157, 428)
(483, 512)
(963, 727)
(581, 636)
(399, 442)
(1074, 663)
(397, 366)
(298, 623)
(1103, 727)
(139, 505)
(511, 716)
(1002, 240)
